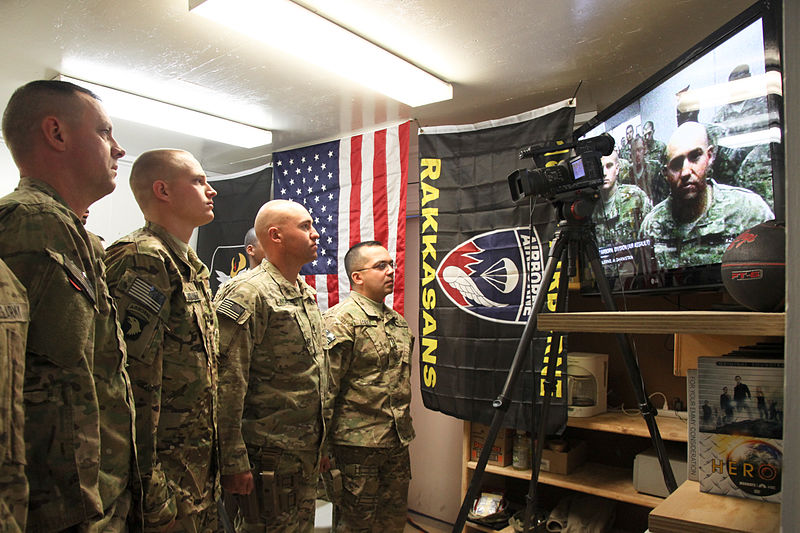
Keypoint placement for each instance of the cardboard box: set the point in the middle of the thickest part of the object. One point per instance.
(564, 462)
(502, 449)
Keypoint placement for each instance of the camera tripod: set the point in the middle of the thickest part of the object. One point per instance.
(574, 237)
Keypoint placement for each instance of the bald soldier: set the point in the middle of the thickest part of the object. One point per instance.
(273, 378)
(698, 220)
(164, 299)
(78, 403)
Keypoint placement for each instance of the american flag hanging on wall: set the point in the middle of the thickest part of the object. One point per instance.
(355, 190)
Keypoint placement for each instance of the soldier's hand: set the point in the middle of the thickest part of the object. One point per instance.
(241, 483)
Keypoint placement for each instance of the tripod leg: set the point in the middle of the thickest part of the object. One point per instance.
(501, 403)
(549, 392)
(648, 413)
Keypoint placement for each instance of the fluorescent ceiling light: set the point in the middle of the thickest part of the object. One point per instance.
(752, 138)
(730, 91)
(302, 33)
(170, 117)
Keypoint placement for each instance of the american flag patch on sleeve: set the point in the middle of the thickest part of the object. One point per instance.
(230, 309)
(147, 295)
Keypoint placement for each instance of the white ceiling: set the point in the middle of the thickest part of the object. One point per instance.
(503, 57)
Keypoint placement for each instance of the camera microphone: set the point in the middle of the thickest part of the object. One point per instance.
(603, 143)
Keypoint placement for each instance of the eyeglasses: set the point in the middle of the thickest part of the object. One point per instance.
(380, 267)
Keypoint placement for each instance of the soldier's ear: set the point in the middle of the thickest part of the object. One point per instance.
(53, 131)
(712, 153)
(160, 190)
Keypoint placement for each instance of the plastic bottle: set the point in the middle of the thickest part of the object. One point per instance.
(521, 456)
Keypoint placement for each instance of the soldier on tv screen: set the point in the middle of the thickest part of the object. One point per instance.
(624, 206)
(694, 225)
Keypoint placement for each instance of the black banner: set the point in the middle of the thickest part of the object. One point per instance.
(482, 263)
(220, 243)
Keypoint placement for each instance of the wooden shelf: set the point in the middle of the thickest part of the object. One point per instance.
(688, 509)
(670, 428)
(472, 526)
(591, 478)
(718, 322)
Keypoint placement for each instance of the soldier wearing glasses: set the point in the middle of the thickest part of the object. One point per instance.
(370, 356)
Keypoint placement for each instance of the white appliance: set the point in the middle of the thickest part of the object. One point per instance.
(587, 383)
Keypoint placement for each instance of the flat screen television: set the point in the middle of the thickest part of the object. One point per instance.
(698, 158)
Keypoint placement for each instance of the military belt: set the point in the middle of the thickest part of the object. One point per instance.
(360, 470)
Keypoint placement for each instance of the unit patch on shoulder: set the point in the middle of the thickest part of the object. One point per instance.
(230, 309)
(147, 294)
(132, 325)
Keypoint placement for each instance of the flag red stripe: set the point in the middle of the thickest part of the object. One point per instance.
(380, 212)
(333, 289)
(400, 254)
(355, 190)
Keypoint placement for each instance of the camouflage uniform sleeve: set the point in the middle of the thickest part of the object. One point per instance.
(340, 333)
(236, 341)
(141, 289)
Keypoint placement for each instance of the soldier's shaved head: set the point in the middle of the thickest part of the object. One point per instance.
(287, 235)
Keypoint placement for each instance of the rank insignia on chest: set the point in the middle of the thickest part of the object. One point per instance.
(330, 337)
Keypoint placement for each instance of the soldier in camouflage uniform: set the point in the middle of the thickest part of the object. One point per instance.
(78, 403)
(273, 378)
(655, 150)
(255, 254)
(370, 357)
(701, 217)
(626, 144)
(755, 173)
(646, 173)
(618, 218)
(13, 331)
(164, 298)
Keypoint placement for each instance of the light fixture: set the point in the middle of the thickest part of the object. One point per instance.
(752, 138)
(304, 34)
(142, 110)
(730, 91)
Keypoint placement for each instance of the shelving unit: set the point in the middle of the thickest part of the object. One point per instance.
(617, 483)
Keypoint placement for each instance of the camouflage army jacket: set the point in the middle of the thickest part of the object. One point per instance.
(370, 357)
(273, 368)
(617, 219)
(13, 330)
(731, 210)
(164, 299)
(78, 402)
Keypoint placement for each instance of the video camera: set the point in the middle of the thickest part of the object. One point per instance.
(583, 170)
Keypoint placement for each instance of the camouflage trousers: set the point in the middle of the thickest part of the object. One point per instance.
(374, 496)
(285, 492)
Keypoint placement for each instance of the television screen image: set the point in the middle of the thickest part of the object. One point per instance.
(697, 160)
